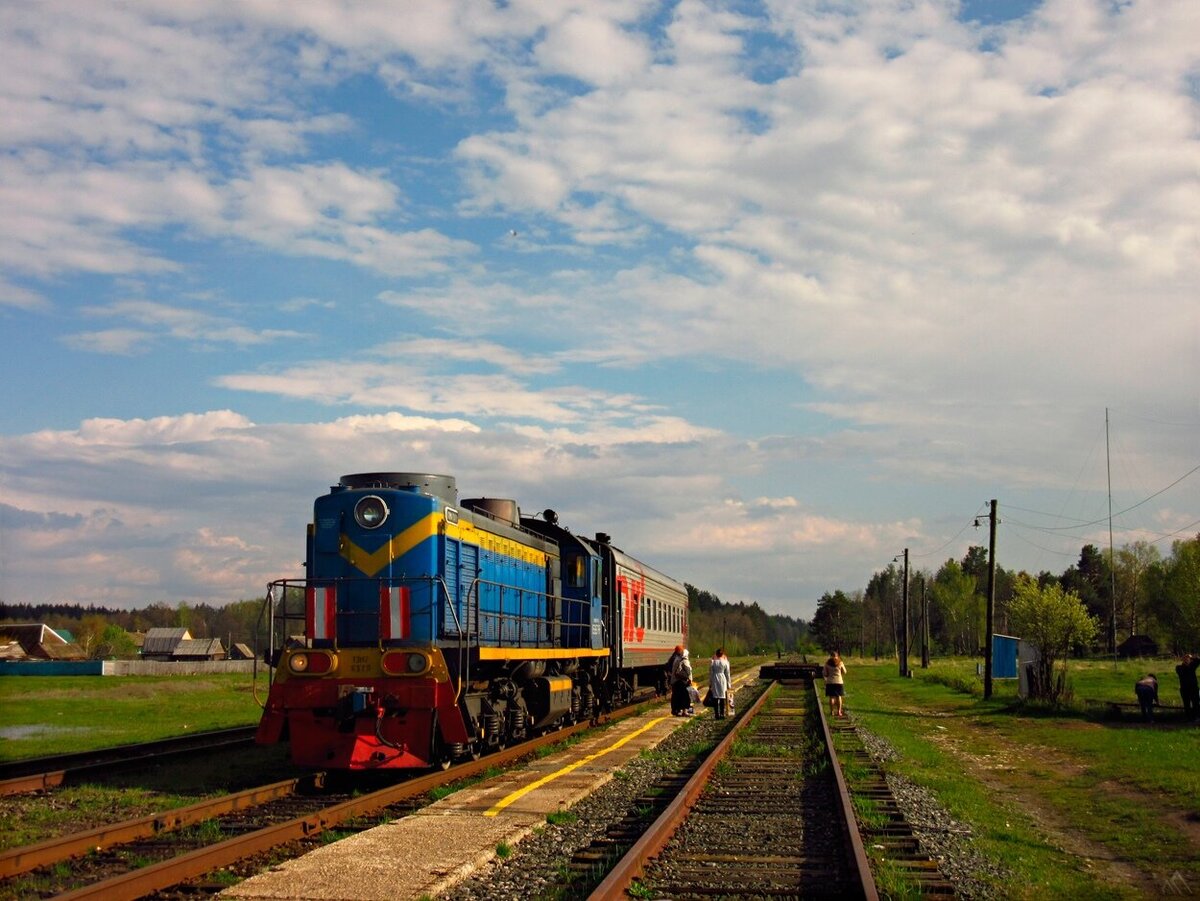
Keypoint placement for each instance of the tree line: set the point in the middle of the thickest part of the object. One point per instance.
(739, 628)
(105, 632)
(1136, 591)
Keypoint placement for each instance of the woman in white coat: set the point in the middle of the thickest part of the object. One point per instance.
(719, 682)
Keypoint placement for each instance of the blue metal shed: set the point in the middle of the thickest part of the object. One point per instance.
(1004, 656)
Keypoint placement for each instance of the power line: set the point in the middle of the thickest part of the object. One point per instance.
(1186, 528)
(1080, 524)
(966, 526)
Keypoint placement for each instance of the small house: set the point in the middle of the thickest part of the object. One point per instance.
(160, 643)
(38, 641)
(199, 649)
(1137, 646)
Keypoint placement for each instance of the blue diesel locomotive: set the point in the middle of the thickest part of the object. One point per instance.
(428, 630)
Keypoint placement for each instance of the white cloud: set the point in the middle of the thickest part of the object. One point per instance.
(162, 320)
(958, 245)
(592, 49)
(113, 341)
(13, 295)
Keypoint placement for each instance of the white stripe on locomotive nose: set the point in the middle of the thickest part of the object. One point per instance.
(323, 606)
(395, 626)
(395, 622)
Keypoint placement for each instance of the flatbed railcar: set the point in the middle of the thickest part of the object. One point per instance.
(428, 629)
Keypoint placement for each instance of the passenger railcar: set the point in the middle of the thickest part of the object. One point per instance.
(427, 629)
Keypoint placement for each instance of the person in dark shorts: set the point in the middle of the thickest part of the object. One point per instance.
(1146, 689)
(835, 685)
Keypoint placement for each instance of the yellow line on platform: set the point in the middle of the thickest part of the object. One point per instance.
(521, 792)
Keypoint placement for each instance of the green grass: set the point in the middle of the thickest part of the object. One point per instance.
(1074, 805)
(45, 715)
(1095, 679)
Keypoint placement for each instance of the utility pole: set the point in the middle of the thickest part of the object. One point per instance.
(1112, 559)
(924, 626)
(904, 626)
(991, 603)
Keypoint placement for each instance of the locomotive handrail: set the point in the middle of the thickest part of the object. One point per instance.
(268, 600)
(464, 659)
(577, 631)
(468, 634)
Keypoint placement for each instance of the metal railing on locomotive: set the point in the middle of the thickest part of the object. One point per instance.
(281, 635)
(506, 625)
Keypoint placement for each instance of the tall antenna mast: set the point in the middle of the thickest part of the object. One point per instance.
(1112, 557)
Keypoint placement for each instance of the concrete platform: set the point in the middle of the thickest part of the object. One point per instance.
(428, 852)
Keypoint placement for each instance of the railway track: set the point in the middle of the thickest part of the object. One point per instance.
(41, 773)
(769, 814)
(759, 818)
(152, 854)
(887, 835)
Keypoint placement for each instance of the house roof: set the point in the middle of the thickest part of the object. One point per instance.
(40, 641)
(163, 640)
(198, 647)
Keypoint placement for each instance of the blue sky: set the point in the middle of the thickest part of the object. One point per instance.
(768, 291)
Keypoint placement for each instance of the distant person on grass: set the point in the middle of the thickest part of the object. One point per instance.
(1189, 689)
(835, 686)
(1146, 689)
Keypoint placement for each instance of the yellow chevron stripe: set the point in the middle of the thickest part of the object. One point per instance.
(370, 563)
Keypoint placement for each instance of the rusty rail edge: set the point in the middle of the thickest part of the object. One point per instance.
(849, 821)
(16, 861)
(136, 884)
(655, 838)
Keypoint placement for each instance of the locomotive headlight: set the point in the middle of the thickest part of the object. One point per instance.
(370, 512)
(312, 663)
(417, 663)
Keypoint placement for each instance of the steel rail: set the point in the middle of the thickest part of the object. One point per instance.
(633, 864)
(40, 773)
(16, 861)
(847, 820)
(179, 869)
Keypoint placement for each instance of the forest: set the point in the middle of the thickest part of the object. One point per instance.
(1136, 591)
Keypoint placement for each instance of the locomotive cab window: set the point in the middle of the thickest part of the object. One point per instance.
(576, 572)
